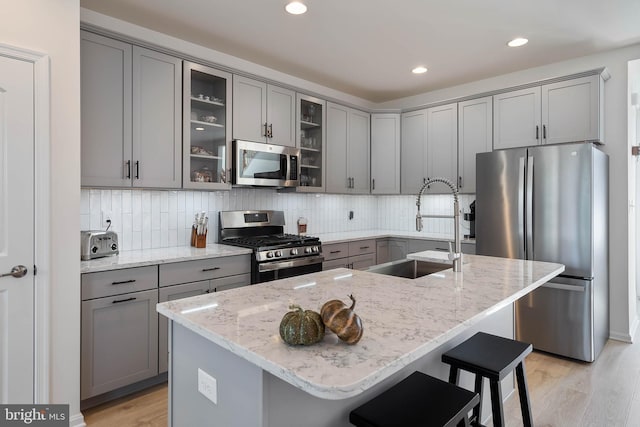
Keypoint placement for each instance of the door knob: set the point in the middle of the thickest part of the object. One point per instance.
(18, 271)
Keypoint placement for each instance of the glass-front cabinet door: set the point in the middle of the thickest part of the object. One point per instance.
(207, 124)
(311, 118)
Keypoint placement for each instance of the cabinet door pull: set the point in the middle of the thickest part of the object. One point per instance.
(123, 300)
(537, 132)
(211, 269)
(335, 252)
(128, 165)
(459, 181)
(123, 282)
(544, 131)
(364, 247)
(137, 169)
(270, 133)
(265, 129)
(373, 184)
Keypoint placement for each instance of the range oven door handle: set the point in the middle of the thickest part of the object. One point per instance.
(296, 262)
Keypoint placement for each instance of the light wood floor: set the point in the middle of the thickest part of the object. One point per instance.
(563, 394)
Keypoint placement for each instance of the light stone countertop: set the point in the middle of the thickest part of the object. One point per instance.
(129, 259)
(328, 238)
(403, 319)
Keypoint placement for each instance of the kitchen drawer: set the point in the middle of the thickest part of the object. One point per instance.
(360, 247)
(335, 263)
(232, 282)
(116, 282)
(203, 269)
(335, 251)
(416, 245)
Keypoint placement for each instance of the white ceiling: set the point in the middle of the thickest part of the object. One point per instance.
(368, 47)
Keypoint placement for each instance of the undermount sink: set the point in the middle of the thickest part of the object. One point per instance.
(408, 268)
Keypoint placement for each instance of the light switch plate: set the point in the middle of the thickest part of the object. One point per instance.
(207, 386)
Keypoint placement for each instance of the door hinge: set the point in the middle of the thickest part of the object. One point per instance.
(35, 270)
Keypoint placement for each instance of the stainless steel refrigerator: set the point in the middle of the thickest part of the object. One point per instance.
(550, 203)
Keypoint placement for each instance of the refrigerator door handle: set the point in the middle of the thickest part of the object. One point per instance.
(521, 222)
(529, 209)
(564, 287)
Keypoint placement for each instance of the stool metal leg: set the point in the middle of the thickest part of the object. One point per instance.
(453, 375)
(477, 410)
(523, 392)
(496, 403)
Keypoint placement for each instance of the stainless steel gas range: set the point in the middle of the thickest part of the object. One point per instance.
(276, 255)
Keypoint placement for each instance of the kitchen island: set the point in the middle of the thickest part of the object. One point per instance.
(232, 336)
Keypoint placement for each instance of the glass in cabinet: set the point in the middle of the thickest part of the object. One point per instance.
(207, 116)
(311, 118)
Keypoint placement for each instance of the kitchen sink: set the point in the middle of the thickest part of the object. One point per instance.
(408, 268)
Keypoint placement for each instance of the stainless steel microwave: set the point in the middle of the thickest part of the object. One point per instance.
(266, 165)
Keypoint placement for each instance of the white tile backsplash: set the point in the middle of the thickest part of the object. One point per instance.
(151, 219)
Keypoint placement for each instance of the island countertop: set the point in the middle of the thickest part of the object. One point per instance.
(403, 319)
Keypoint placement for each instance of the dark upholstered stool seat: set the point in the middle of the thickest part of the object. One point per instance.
(492, 357)
(417, 401)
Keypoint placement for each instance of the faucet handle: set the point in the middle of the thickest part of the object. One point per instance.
(452, 255)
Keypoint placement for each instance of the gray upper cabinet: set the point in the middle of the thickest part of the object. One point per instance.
(131, 115)
(105, 79)
(429, 148)
(571, 110)
(413, 151)
(348, 139)
(263, 112)
(312, 118)
(157, 119)
(206, 124)
(442, 145)
(475, 133)
(385, 153)
(565, 111)
(516, 118)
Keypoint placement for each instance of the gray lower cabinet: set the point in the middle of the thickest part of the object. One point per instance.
(391, 250)
(357, 255)
(170, 293)
(119, 341)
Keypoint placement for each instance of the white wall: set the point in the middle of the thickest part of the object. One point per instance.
(51, 27)
(622, 283)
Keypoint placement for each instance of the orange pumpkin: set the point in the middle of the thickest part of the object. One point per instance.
(342, 320)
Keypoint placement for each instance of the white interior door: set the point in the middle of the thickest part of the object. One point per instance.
(16, 230)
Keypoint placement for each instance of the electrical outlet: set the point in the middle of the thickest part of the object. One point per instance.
(207, 386)
(107, 218)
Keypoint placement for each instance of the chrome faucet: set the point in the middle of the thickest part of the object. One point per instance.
(455, 256)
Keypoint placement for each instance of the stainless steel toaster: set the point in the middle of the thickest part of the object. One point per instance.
(97, 243)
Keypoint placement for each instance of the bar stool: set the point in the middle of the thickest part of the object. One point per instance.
(494, 358)
(417, 401)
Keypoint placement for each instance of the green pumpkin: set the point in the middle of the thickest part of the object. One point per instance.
(301, 327)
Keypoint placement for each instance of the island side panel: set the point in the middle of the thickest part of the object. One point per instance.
(239, 384)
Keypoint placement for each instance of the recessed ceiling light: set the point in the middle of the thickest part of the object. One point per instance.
(419, 70)
(296, 8)
(518, 41)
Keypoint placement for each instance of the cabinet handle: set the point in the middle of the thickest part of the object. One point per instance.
(335, 252)
(270, 133)
(544, 131)
(265, 129)
(123, 282)
(373, 184)
(137, 169)
(123, 300)
(211, 269)
(364, 247)
(537, 131)
(128, 163)
(459, 181)
(424, 180)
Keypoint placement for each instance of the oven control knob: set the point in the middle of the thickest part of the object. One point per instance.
(94, 249)
(294, 252)
(278, 253)
(114, 246)
(269, 254)
(307, 250)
